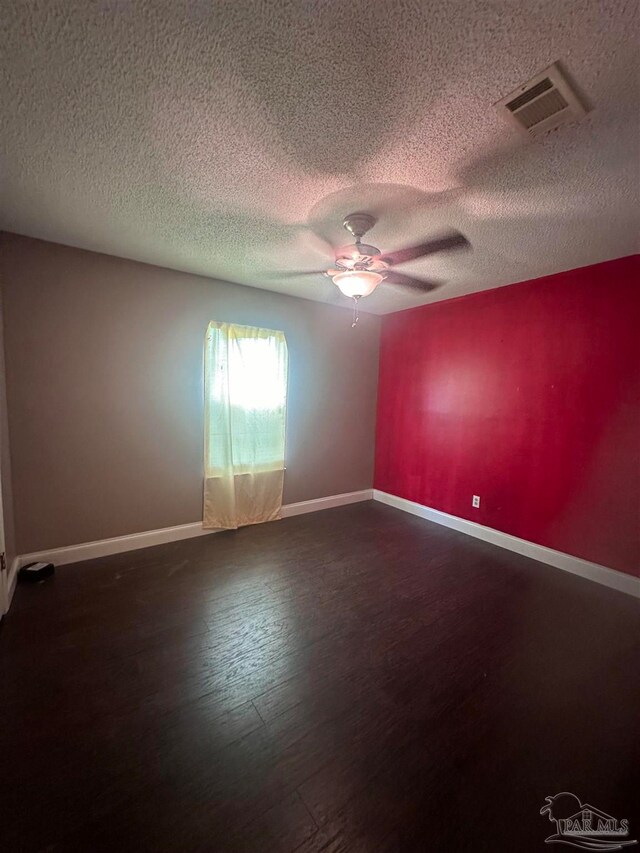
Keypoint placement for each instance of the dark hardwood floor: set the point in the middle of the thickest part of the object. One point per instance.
(353, 680)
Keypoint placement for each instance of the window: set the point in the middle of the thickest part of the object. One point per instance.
(245, 399)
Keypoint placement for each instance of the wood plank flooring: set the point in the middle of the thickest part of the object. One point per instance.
(353, 680)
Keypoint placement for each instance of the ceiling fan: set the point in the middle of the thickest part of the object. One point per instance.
(359, 268)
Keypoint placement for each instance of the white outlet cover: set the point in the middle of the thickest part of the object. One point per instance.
(476, 501)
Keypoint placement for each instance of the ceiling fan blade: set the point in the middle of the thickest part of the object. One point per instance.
(293, 273)
(455, 240)
(321, 244)
(421, 284)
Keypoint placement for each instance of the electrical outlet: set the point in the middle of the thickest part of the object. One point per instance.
(476, 501)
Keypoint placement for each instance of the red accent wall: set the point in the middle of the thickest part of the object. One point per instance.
(529, 396)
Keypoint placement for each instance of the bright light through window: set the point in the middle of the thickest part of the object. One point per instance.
(246, 384)
(256, 379)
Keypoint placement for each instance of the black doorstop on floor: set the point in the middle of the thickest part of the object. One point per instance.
(35, 572)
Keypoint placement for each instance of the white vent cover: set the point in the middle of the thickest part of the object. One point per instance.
(546, 102)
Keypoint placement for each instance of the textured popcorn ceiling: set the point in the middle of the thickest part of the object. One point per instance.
(207, 136)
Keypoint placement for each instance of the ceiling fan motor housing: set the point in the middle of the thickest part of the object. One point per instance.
(358, 251)
(358, 224)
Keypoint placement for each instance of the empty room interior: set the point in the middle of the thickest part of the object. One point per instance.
(319, 426)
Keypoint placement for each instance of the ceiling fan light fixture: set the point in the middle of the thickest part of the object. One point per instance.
(357, 283)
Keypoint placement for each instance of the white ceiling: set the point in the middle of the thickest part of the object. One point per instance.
(207, 136)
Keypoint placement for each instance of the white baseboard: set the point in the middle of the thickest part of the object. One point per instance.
(119, 544)
(326, 503)
(134, 541)
(592, 571)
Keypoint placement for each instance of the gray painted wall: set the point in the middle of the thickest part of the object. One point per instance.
(104, 389)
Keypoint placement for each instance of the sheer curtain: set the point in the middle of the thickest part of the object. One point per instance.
(245, 387)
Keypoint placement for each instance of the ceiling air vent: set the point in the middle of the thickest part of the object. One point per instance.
(546, 102)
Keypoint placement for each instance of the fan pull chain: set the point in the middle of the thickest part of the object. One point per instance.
(355, 312)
